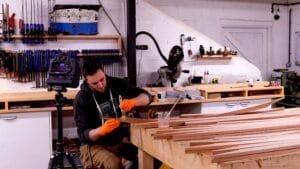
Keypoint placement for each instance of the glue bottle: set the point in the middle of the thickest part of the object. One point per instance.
(205, 77)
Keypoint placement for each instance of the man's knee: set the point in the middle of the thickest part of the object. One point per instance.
(113, 162)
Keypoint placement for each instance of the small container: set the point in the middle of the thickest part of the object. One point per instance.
(197, 80)
(163, 119)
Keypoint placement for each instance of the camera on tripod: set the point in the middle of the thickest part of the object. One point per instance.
(64, 71)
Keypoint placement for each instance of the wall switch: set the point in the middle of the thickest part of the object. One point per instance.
(141, 47)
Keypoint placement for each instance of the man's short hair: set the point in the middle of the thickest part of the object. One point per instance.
(91, 66)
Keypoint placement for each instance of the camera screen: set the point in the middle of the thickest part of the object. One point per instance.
(58, 67)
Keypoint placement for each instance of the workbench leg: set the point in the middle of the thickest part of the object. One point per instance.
(145, 160)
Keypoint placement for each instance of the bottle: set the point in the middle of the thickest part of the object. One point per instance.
(205, 77)
(225, 52)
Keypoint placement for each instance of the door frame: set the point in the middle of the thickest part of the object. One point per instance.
(264, 27)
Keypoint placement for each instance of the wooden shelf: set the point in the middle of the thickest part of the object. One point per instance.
(265, 91)
(44, 100)
(33, 101)
(224, 92)
(215, 56)
(116, 38)
(73, 37)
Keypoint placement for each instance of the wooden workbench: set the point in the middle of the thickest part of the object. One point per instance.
(175, 149)
(223, 92)
(35, 101)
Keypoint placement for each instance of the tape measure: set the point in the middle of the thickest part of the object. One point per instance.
(214, 80)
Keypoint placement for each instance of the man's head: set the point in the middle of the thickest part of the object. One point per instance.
(94, 75)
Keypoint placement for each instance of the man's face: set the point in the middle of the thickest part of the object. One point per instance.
(97, 81)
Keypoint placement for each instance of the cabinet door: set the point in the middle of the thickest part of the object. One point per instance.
(25, 140)
(222, 107)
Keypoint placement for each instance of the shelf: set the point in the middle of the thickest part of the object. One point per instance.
(266, 91)
(33, 101)
(224, 92)
(44, 100)
(116, 38)
(72, 37)
(215, 56)
(2, 105)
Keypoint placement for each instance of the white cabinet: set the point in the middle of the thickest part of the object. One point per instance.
(227, 106)
(25, 140)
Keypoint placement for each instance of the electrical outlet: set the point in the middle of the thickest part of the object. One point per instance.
(141, 47)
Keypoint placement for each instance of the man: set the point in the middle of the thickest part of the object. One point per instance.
(98, 98)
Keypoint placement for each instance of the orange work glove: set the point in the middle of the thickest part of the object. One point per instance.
(127, 104)
(109, 126)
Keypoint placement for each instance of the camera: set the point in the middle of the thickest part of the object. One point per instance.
(63, 71)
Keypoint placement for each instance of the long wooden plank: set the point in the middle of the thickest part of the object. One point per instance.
(236, 112)
(238, 138)
(241, 154)
(262, 155)
(247, 117)
(229, 128)
(239, 144)
(197, 135)
(179, 122)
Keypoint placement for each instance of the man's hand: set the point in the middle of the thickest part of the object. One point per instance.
(127, 104)
(108, 126)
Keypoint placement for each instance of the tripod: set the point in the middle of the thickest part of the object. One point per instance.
(57, 158)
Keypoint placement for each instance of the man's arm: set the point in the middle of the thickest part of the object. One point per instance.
(94, 134)
(142, 99)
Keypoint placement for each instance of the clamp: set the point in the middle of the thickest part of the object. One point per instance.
(151, 114)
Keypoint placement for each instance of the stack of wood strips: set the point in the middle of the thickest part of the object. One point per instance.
(229, 137)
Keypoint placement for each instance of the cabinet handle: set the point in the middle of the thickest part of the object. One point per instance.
(9, 118)
(231, 104)
(244, 104)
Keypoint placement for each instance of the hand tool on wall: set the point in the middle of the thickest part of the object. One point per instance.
(31, 26)
(41, 25)
(34, 28)
(5, 18)
(21, 22)
(11, 26)
(26, 25)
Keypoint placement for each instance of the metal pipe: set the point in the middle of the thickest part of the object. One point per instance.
(131, 41)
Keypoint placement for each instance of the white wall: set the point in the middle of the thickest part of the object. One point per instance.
(205, 16)
(115, 8)
(166, 19)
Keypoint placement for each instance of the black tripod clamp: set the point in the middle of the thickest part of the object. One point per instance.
(57, 158)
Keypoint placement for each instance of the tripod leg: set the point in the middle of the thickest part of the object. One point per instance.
(52, 162)
(70, 160)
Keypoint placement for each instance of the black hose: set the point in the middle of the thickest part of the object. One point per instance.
(155, 42)
(290, 27)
